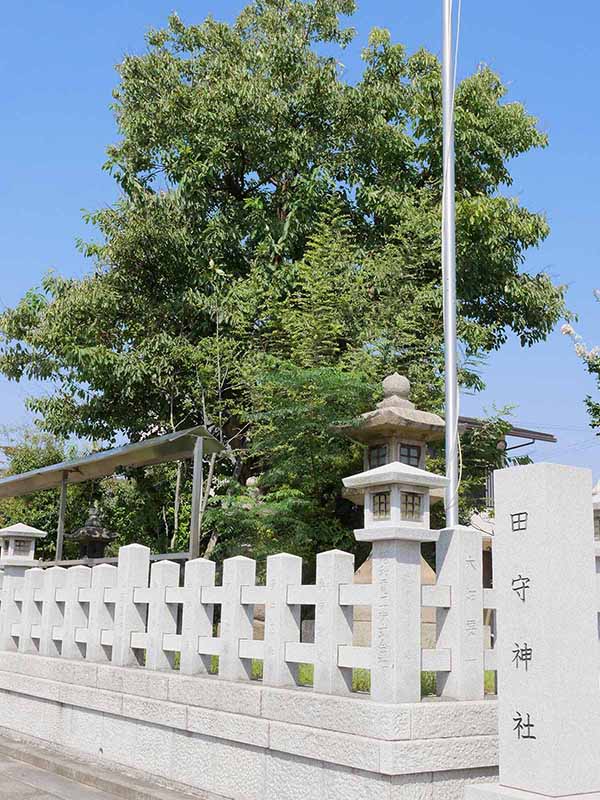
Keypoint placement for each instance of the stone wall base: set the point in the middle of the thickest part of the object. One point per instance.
(265, 750)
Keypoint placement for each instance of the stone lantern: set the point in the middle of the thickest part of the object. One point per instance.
(18, 548)
(394, 431)
(92, 538)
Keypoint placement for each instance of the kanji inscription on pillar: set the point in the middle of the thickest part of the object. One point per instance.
(545, 581)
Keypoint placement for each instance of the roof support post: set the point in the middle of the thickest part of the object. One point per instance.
(62, 510)
(196, 499)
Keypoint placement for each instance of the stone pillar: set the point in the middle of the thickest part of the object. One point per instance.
(236, 618)
(282, 621)
(333, 622)
(130, 617)
(396, 621)
(460, 627)
(546, 587)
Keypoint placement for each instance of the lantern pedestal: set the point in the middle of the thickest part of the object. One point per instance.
(395, 533)
(395, 613)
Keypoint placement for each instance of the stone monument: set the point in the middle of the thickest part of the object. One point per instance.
(546, 586)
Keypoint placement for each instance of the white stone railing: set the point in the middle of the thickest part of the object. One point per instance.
(137, 614)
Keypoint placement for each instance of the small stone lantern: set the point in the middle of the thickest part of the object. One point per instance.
(18, 548)
(397, 500)
(92, 538)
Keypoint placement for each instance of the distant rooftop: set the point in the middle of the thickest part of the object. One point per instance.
(517, 433)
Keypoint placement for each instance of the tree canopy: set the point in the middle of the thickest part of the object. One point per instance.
(275, 219)
(25, 449)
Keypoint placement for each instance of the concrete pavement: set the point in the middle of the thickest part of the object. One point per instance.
(20, 781)
(30, 768)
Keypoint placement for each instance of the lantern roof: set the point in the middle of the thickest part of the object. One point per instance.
(22, 531)
(396, 472)
(396, 414)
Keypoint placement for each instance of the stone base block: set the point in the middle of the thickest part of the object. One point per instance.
(494, 791)
(246, 741)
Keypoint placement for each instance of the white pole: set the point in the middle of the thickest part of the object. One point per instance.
(449, 269)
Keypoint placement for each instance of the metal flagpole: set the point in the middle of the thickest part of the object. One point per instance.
(449, 268)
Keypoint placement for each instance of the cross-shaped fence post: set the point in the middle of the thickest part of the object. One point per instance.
(100, 619)
(31, 617)
(75, 616)
(282, 621)
(130, 617)
(236, 619)
(52, 614)
(333, 622)
(197, 619)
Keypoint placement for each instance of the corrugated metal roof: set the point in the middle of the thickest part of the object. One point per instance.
(518, 433)
(158, 450)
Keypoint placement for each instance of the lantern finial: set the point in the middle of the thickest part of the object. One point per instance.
(396, 392)
(396, 385)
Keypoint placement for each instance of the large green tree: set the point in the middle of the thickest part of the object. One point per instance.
(273, 216)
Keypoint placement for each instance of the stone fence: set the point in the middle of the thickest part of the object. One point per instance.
(137, 614)
(130, 665)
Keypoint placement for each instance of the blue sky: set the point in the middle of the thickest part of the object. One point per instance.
(57, 73)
